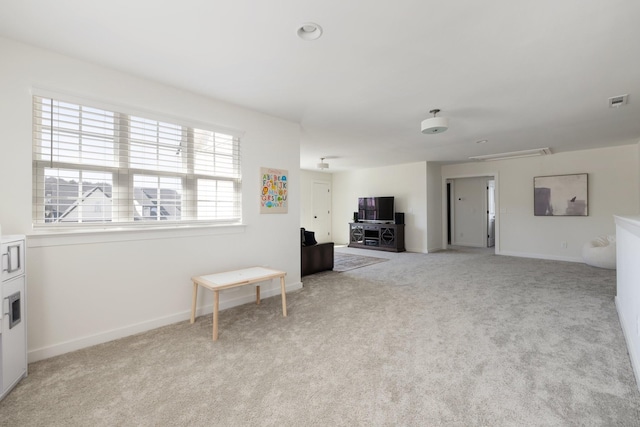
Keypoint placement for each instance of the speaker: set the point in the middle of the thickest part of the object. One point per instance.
(355, 217)
(399, 218)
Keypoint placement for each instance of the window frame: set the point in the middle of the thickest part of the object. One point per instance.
(123, 211)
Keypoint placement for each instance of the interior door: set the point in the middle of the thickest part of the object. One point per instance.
(469, 225)
(491, 213)
(322, 211)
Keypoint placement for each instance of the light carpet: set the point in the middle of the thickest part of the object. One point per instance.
(345, 262)
(461, 338)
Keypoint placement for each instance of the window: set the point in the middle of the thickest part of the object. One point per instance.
(99, 167)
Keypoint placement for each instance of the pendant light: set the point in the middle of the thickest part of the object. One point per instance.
(435, 124)
(322, 164)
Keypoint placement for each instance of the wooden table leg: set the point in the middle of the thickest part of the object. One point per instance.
(216, 303)
(283, 290)
(193, 303)
(258, 294)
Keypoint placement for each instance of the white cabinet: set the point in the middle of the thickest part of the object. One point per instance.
(13, 325)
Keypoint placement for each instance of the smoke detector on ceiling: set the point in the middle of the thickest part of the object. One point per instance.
(618, 101)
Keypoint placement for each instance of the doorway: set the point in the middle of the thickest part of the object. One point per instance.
(449, 207)
(491, 213)
(470, 211)
(321, 211)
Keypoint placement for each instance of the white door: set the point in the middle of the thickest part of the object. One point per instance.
(491, 213)
(469, 212)
(322, 211)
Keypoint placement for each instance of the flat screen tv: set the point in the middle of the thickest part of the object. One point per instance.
(375, 209)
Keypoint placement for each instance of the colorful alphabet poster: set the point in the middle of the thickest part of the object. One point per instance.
(275, 190)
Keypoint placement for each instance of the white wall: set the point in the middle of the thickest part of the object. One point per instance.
(638, 182)
(407, 183)
(613, 189)
(307, 179)
(434, 207)
(628, 292)
(88, 289)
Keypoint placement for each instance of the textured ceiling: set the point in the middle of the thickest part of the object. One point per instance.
(521, 74)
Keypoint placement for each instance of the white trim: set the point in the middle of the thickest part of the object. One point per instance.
(79, 237)
(445, 219)
(186, 175)
(420, 250)
(131, 110)
(631, 223)
(106, 336)
(469, 245)
(329, 184)
(451, 213)
(543, 256)
(633, 355)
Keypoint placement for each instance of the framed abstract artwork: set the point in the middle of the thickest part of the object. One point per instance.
(561, 195)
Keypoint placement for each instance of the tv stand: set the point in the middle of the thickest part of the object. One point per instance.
(381, 237)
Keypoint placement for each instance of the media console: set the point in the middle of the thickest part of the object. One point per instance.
(382, 237)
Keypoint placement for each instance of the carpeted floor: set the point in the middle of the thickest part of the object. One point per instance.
(461, 338)
(345, 262)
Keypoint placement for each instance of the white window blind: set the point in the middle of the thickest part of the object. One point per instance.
(94, 166)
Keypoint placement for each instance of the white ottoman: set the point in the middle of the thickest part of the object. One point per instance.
(600, 252)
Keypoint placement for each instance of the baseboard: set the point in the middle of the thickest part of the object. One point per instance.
(415, 250)
(102, 337)
(468, 245)
(633, 356)
(541, 256)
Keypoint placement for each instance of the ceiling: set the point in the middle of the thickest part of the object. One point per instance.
(520, 74)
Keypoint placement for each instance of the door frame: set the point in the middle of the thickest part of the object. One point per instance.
(445, 220)
(330, 213)
(449, 211)
(488, 212)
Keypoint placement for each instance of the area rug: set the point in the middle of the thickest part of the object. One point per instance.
(346, 262)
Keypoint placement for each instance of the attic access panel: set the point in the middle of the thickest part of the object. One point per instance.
(561, 195)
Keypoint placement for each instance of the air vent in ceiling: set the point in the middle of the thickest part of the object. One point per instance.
(513, 154)
(617, 101)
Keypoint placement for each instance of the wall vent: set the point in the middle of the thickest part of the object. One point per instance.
(617, 101)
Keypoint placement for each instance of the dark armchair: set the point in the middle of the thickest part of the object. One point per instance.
(315, 257)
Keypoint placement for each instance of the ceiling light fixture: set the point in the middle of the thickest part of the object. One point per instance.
(322, 164)
(309, 31)
(513, 154)
(435, 124)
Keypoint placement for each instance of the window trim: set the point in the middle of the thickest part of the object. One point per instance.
(134, 111)
(44, 238)
(46, 230)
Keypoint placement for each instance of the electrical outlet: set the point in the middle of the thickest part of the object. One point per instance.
(563, 245)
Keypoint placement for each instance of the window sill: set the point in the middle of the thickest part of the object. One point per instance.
(44, 238)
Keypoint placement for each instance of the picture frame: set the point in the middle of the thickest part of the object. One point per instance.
(561, 195)
(274, 193)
